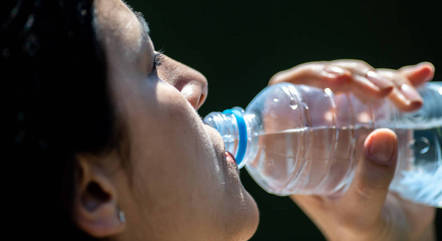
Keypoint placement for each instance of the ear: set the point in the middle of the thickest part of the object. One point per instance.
(96, 210)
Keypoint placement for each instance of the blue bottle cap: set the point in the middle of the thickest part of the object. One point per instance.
(242, 131)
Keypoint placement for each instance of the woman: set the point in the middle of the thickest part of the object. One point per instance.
(113, 147)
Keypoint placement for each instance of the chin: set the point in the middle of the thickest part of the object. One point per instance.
(253, 219)
(244, 219)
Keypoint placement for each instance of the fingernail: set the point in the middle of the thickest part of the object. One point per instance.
(411, 94)
(379, 81)
(365, 82)
(381, 151)
(336, 74)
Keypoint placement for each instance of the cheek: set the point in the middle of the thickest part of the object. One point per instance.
(168, 163)
(177, 174)
(169, 148)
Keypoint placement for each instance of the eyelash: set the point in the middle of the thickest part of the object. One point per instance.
(157, 60)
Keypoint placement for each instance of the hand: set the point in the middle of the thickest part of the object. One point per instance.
(363, 80)
(368, 211)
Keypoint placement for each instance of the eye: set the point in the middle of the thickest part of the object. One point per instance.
(157, 59)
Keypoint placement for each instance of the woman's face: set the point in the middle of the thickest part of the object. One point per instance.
(180, 185)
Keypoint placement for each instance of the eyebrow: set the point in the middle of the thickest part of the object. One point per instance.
(144, 26)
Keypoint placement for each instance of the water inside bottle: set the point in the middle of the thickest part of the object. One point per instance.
(308, 160)
(322, 161)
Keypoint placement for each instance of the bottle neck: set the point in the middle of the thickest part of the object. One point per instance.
(233, 128)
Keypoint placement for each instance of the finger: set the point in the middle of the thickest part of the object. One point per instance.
(366, 71)
(323, 75)
(363, 87)
(373, 175)
(314, 74)
(418, 74)
(404, 95)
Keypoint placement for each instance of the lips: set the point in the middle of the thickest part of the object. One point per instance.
(230, 159)
(218, 145)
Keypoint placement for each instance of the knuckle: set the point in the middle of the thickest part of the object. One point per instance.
(364, 65)
(361, 62)
(354, 65)
(388, 74)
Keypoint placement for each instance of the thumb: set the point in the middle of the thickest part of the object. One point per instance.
(373, 175)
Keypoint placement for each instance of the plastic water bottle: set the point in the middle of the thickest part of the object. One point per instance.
(297, 139)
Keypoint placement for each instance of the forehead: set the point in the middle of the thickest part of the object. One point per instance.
(119, 27)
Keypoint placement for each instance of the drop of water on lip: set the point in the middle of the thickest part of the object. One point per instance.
(276, 100)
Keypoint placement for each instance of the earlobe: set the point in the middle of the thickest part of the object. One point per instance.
(96, 210)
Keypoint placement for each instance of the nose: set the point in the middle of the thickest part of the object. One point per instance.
(191, 83)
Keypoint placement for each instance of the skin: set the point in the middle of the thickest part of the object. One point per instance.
(178, 184)
(368, 211)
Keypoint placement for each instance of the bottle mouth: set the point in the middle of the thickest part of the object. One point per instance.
(232, 127)
(242, 134)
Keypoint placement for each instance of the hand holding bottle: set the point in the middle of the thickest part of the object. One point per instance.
(368, 211)
(362, 80)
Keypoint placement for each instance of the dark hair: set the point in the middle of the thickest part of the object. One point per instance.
(54, 70)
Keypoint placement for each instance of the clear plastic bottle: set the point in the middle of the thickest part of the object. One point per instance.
(297, 139)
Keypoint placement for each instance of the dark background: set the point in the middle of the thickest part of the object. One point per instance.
(239, 45)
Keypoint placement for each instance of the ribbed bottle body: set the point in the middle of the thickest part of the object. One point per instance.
(306, 140)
